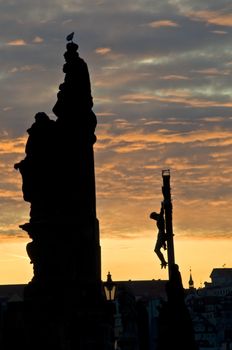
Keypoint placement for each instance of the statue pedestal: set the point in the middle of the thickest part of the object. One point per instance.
(64, 305)
(64, 322)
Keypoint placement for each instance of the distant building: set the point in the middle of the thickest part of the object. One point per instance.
(221, 282)
(221, 276)
(144, 309)
(211, 311)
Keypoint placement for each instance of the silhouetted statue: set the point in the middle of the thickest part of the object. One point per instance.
(58, 170)
(37, 168)
(58, 180)
(161, 237)
(76, 85)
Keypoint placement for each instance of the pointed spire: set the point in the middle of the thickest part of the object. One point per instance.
(191, 283)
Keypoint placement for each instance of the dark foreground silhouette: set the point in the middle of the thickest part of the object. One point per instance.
(58, 181)
(175, 329)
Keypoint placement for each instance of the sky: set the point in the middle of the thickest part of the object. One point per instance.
(161, 84)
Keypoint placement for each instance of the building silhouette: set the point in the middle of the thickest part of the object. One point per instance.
(210, 308)
(211, 311)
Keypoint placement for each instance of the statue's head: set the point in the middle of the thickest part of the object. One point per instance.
(72, 47)
(41, 116)
(154, 215)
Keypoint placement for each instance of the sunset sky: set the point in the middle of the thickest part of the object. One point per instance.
(161, 83)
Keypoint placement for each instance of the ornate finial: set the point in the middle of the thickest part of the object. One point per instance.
(70, 37)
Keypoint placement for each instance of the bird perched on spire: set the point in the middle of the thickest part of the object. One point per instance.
(70, 37)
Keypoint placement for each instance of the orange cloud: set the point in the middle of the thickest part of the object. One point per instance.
(105, 114)
(163, 23)
(108, 80)
(13, 145)
(213, 17)
(188, 101)
(132, 178)
(136, 139)
(10, 194)
(5, 238)
(174, 77)
(212, 71)
(17, 42)
(103, 50)
(213, 119)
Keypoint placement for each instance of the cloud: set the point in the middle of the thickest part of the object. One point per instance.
(12, 146)
(219, 32)
(174, 77)
(198, 162)
(17, 42)
(102, 50)
(163, 23)
(105, 114)
(219, 18)
(131, 135)
(213, 71)
(162, 95)
(184, 99)
(38, 40)
(26, 68)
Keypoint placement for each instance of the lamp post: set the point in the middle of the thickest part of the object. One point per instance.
(113, 307)
(109, 288)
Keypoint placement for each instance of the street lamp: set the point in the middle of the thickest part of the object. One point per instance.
(109, 288)
(113, 309)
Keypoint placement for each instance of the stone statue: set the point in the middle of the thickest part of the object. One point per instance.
(161, 237)
(58, 180)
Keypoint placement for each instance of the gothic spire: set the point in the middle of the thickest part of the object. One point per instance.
(191, 283)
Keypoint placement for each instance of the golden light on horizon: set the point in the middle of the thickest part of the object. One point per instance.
(135, 259)
(129, 259)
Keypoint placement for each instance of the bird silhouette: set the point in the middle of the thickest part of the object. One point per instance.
(70, 36)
